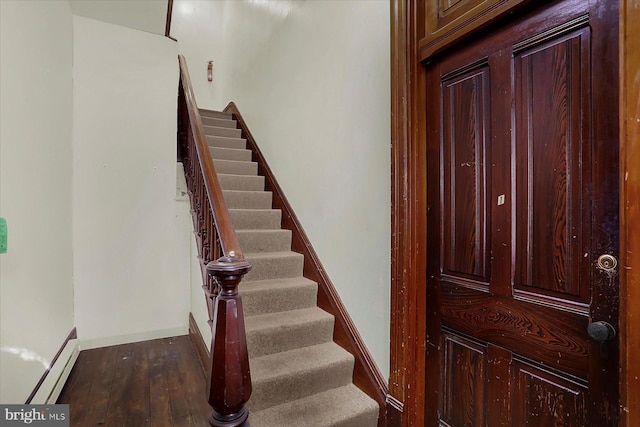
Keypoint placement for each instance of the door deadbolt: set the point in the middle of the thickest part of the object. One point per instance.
(607, 262)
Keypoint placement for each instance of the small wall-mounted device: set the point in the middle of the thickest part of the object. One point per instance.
(3, 236)
(210, 71)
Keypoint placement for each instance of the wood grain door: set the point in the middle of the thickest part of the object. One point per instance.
(522, 195)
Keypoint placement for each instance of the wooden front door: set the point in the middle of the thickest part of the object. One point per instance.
(522, 196)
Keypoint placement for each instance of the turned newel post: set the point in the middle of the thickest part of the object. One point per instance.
(229, 380)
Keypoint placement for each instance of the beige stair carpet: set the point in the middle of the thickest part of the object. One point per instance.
(300, 376)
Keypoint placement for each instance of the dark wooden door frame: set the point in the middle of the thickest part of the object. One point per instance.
(630, 213)
(408, 265)
(405, 402)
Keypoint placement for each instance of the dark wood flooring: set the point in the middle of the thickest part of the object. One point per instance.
(152, 383)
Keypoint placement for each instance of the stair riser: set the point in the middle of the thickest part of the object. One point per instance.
(274, 391)
(275, 340)
(241, 182)
(221, 123)
(247, 199)
(256, 302)
(249, 219)
(219, 153)
(232, 167)
(264, 241)
(224, 142)
(264, 269)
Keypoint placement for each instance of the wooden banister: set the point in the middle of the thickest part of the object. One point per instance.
(222, 265)
(227, 234)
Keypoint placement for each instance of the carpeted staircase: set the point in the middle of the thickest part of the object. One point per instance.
(300, 376)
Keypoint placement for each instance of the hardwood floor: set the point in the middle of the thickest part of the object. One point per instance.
(152, 383)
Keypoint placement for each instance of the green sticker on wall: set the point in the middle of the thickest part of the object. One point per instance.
(3, 236)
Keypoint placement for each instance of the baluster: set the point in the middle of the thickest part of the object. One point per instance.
(183, 123)
(207, 231)
(217, 247)
(229, 386)
(202, 191)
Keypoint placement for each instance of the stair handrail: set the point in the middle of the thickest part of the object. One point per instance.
(222, 265)
(226, 232)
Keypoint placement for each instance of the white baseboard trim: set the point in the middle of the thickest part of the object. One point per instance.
(70, 356)
(50, 385)
(89, 343)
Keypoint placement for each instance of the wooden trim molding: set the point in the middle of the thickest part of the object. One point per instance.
(167, 25)
(366, 374)
(395, 408)
(198, 343)
(400, 95)
(629, 213)
(405, 403)
(72, 336)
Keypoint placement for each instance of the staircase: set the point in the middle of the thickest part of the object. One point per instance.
(300, 376)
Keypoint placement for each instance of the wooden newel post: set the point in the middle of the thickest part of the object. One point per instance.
(229, 378)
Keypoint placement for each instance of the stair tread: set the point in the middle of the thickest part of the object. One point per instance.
(214, 127)
(235, 175)
(272, 255)
(297, 361)
(343, 406)
(225, 137)
(288, 282)
(231, 150)
(232, 161)
(253, 211)
(285, 319)
(263, 231)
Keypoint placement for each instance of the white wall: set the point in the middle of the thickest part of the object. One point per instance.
(312, 81)
(131, 248)
(36, 294)
(143, 15)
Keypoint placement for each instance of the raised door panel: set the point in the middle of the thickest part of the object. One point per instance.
(541, 398)
(446, 21)
(464, 383)
(553, 142)
(465, 127)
